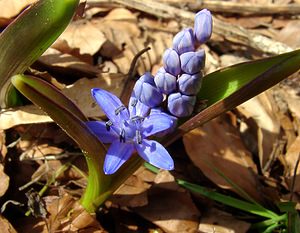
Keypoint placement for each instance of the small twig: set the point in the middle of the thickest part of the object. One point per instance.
(294, 178)
(237, 7)
(130, 80)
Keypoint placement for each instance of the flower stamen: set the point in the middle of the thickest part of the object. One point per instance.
(122, 135)
(119, 109)
(138, 137)
(137, 118)
(108, 124)
(134, 102)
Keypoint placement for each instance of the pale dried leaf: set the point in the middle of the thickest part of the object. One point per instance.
(287, 34)
(83, 35)
(13, 7)
(3, 150)
(28, 114)
(35, 150)
(216, 221)
(4, 181)
(218, 144)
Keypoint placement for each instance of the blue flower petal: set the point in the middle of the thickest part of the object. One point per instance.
(157, 122)
(117, 154)
(110, 104)
(154, 153)
(100, 130)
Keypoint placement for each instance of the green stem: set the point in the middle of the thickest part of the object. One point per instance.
(97, 183)
(101, 186)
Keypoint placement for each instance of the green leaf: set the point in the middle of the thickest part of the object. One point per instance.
(252, 77)
(29, 35)
(229, 201)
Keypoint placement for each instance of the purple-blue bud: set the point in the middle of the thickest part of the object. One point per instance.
(165, 82)
(181, 105)
(146, 91)
(190, 84)
(203, 26)
(184, 41)
(171, 62)
(192, 62)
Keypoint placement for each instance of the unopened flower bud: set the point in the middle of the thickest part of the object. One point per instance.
(171, 62)
(184, 41)
(181, 105)
(146, 91)
(203, 26)
(192, 62)
(165, 82)
(190, 84)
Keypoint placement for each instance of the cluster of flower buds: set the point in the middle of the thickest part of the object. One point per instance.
(180, 77)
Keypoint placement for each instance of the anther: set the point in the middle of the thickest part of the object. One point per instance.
(119, 109)
(134, 102)
(108, 124)
(138, 137)
(137, 118)
(122, 136)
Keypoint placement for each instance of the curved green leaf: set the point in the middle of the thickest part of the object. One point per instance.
(29, 35)
(258, 75)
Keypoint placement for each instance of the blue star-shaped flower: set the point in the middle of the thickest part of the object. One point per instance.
(127, 131)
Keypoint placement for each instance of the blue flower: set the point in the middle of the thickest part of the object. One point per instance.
(171, 62)
(128, 130)
(192, 62)
(203, 26)
(184, 41)
(189, 84)
(146, 91)
(165, 82)
(181, 105)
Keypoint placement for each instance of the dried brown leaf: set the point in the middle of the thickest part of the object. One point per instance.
(80, 91)
(121, 29)
(67, 64)
(261, 110)
(172, 211)
(83, 35)
(4, 181)
(66, 215)
(134, 191)
(218, 144)
(218, 221)
(287, 34)
(291, 157)
(5, 226)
